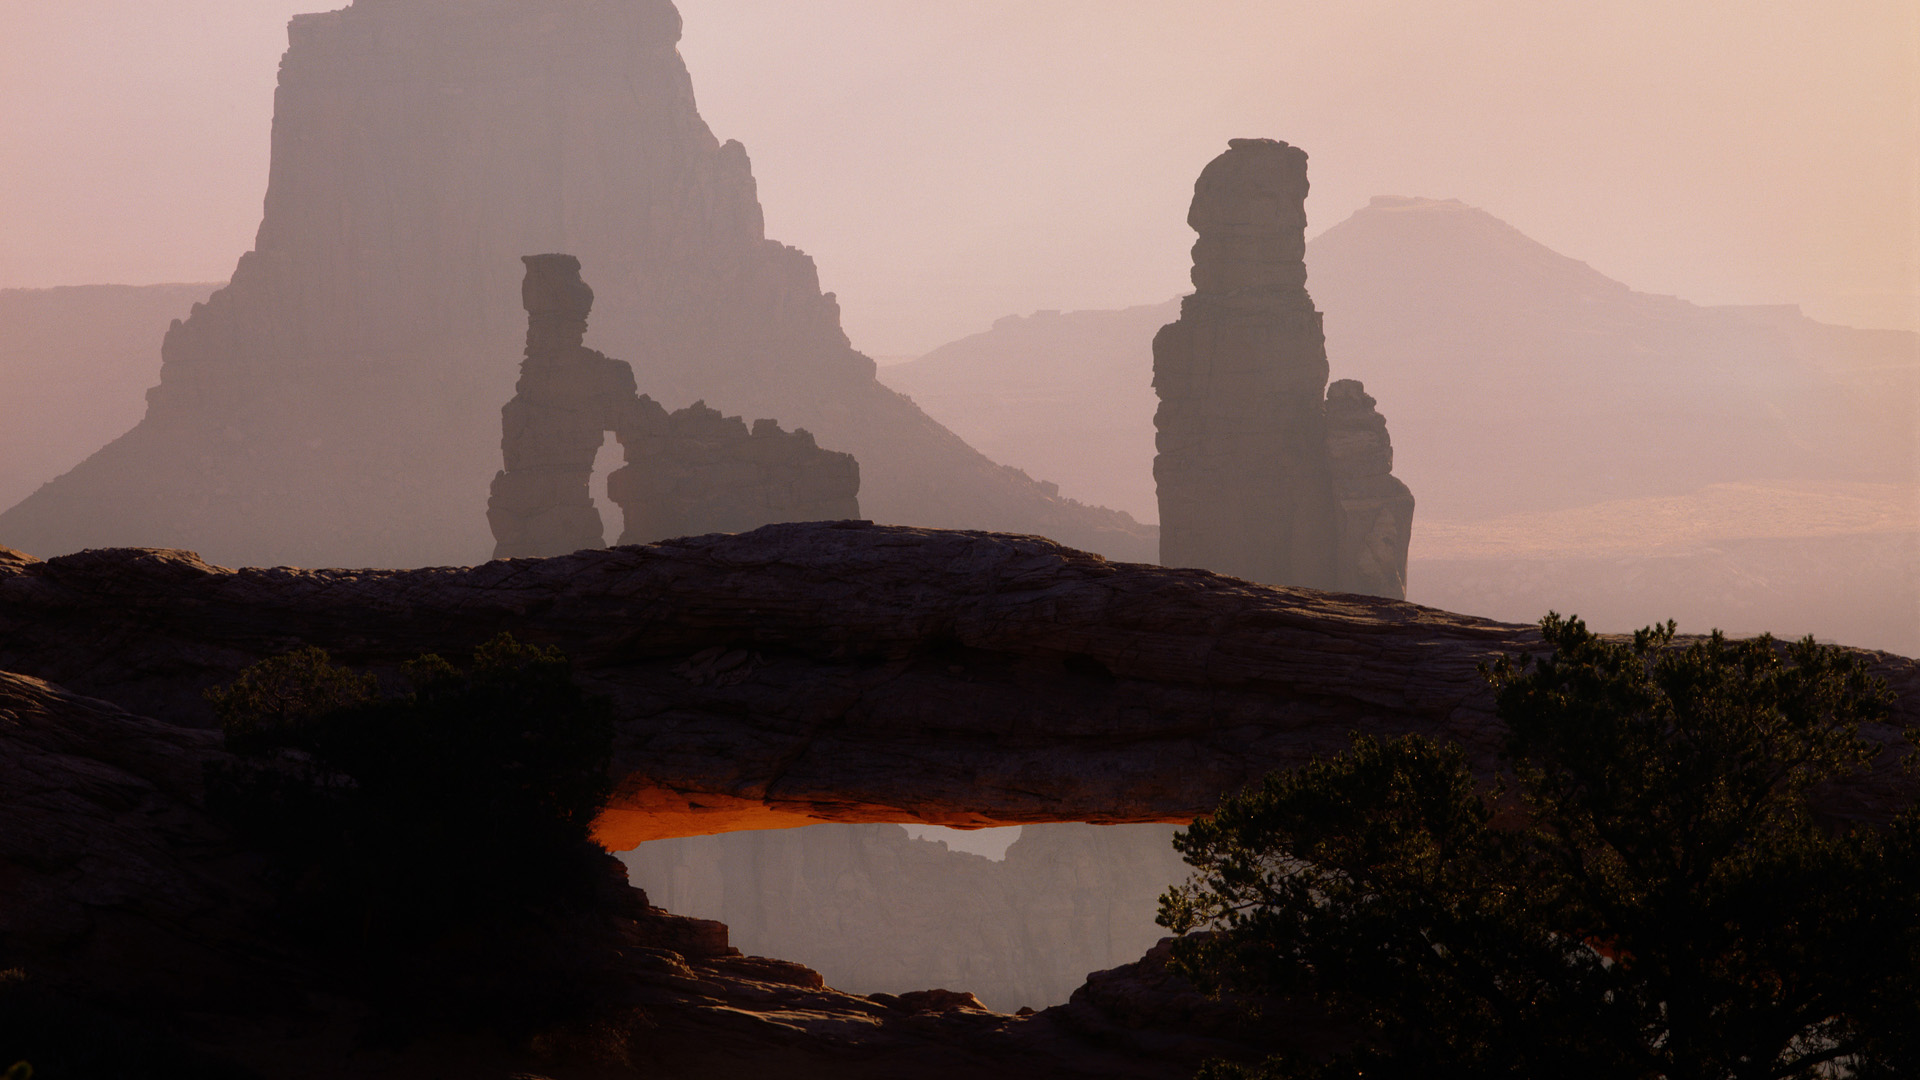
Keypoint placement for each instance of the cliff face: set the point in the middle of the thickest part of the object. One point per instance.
(1245, 472)
(874, 910)
(335, 404)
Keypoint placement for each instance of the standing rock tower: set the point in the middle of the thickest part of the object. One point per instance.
(687, 472)
(1252, 481)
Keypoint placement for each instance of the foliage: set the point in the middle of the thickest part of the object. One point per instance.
(1647, 895)
(465, 799)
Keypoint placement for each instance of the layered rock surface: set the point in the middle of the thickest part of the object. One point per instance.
(1245, 474)
(335, 404)
(843, 671)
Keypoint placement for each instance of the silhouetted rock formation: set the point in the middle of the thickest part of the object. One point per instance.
(1740, 467)
(567, 399)
(696, 471)
(335, 404)
(845, 671)
(1245, 472)
(1376, 509)
(874, 910)
(121, 895)
(690, 472)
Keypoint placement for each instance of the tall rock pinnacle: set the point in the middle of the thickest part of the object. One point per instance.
(336, 403)
(686, 474)
(1247, 477)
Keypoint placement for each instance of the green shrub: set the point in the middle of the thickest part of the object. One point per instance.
(392, 819)
(1648, 895)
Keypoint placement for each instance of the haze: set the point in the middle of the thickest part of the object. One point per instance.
(949, 164)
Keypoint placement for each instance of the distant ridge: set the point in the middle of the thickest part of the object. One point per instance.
(1519, 381)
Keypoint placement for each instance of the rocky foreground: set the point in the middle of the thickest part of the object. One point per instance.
(834, 671)
(842, 671)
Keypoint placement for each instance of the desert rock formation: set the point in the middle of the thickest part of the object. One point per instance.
(1740, 467)
(1245, 472)
(1376, 509)
(845, 671)
(335, 403)
(802, 672)
(120, 894)
(690, 472)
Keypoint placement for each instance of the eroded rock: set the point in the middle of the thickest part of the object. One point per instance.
(119, 893)
(1246, 473)
(1376, 509)
(849, 672)
(690, 472)
(337, 403)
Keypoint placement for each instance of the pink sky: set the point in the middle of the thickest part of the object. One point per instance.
(950, 163)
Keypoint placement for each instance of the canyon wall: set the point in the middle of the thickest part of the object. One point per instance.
(335, 404)
(1245, 473)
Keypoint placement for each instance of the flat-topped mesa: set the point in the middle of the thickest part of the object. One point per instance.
(687, 473)
(1245, 473)
(336, 403)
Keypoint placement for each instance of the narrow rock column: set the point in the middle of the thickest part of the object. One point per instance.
(1376, 509)
(1244, 479)
(562, 407)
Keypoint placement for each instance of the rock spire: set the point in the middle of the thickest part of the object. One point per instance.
(687, 473)
(1252, 479)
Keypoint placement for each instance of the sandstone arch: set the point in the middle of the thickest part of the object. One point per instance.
(843, 671)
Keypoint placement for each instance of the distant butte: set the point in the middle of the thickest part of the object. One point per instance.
(336, 403)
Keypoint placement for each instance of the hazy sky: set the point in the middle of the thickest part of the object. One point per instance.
(948, 163)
